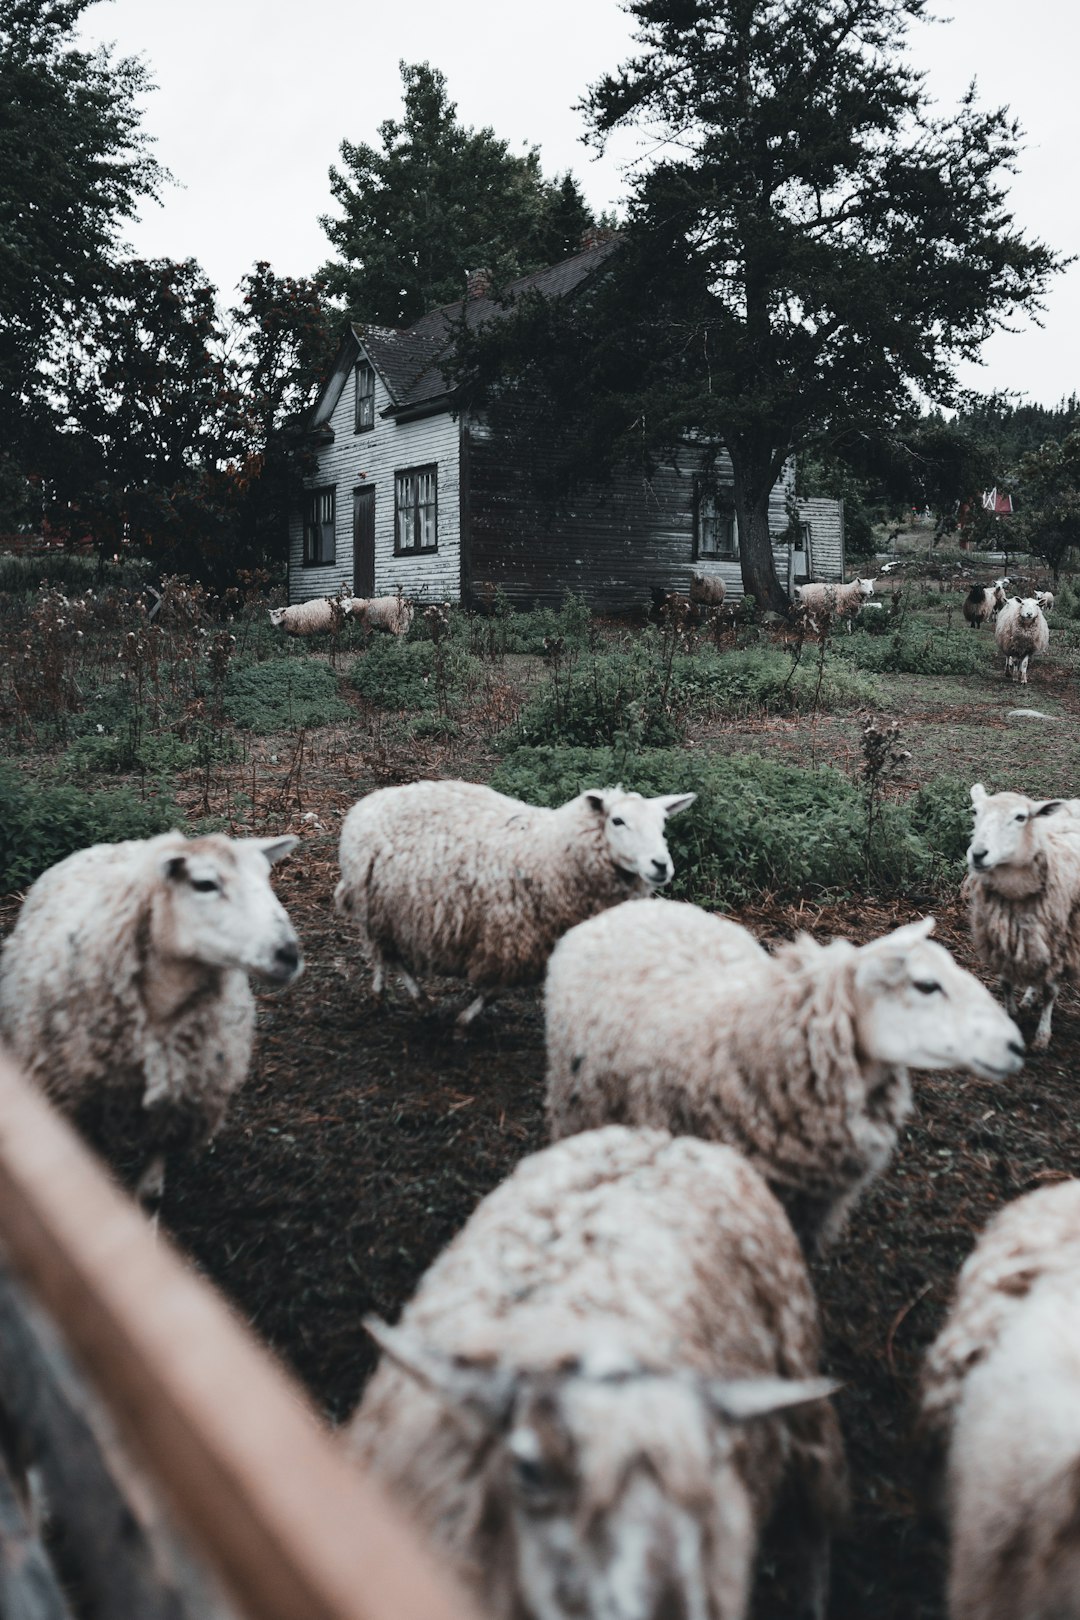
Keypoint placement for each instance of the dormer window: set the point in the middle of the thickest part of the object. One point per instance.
(365, 397)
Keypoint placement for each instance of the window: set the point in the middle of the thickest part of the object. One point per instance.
(319, 526)
(715, 533)
(365, 397)
(416, 527)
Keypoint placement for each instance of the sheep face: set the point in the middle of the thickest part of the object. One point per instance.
(917, 1008)
(1028, 612)
(634, 830)
(866, 586)
(215, 906)
(1006, 828)
(277, 616)
(613, 1488)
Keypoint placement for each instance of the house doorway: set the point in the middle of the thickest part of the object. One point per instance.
(364, 542)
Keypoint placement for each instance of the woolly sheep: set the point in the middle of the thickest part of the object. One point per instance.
(663, 1015)
(1021, 632)
(1023, 892)
(1045, 600)
(1001, 1415)
(979, 603)
(592, 1412)
(707, 590)
(124, 991)
(393, 614)
(454, 878)
(817, 600)
(321, 614)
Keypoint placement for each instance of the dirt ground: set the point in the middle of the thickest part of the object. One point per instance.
(365, 1137)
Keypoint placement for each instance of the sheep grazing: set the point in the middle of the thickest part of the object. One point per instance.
(817, 602)
(594, 1413)
(323, 614)
(1021, 632)
(707, 590)
(1001, 1415)
(454, 878)
(1023, 892)
(394, 614)
(124, 990)
(663, 1015)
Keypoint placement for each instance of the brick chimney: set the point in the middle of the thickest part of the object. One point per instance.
(594, 235)
(477, 283)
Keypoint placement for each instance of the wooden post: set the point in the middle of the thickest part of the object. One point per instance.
(293, 1530)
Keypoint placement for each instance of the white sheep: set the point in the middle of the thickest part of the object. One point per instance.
(1001, 1415)
(1021, 632)
(322, 614)
(124, 990)
(1045, 600)
(393, 614)
(818, 601)
(454, 878)
(660, 1014)
(606, 1382)
(1023, 891)
(707, 590)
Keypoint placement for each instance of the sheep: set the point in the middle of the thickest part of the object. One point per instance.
(321, 614)
(592, 1412)
(979, 603)
(707, 590)
(393, 614)
(1000, 1416)
(1021, 632)
(124, 990)
(1023, 893)
(1045, 600)
(663, 1015)
(817, 600)
(454, 878)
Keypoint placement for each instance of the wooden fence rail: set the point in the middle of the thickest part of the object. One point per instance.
(291, 1528)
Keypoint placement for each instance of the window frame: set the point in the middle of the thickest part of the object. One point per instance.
(367, 398)
(400, 474)
(313, 523)
(723, 510)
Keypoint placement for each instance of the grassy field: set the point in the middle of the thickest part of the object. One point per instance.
(832, 785)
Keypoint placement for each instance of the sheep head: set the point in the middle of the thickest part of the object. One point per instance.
(1007, 828)
(915, 1007)
(634, 831)
(213, 905)
(611, 1489)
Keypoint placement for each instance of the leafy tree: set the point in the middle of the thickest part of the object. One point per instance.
(1050, 500)
(437, 201)
(810, 249)
(73, 166)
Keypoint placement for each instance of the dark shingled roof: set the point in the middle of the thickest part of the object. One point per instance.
(409, 358)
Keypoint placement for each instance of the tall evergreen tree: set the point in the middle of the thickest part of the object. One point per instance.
(436, 201)
(809, 250)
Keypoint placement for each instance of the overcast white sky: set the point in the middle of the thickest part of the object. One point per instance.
(255, 96)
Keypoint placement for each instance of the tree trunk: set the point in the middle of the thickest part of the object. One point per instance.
(755, 543)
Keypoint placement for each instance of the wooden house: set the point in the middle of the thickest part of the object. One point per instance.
(411, 491)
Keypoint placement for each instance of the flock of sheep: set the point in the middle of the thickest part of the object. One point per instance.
(609, 1382)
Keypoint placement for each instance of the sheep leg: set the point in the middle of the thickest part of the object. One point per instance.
(378, 974)
(467, 1014)
(1023, 669)
(414, 989)
(1041, 1038)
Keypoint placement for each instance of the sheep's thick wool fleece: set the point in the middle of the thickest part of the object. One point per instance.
(1017, 640)
(454, 878)
(732, 1045)
(559, 1258)
(1025, 920)
(72, 992)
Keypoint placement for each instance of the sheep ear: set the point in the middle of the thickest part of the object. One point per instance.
(174, 868)
(275, 849)
(740, 1399)
(596, 799)
(978, 794)
(1050, 807)
(672, 803)
(473, 1391)
(884, 961)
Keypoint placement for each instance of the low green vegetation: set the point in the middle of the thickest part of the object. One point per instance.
(42, 822)
(283, 694)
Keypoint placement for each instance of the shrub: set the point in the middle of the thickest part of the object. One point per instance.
(40, 825)
(412, 675)
(917, 646)
(283, 694)
(757, 826)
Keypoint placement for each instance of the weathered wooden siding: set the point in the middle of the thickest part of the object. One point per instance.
(612, 542)
(826, 520)
(353, 460)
